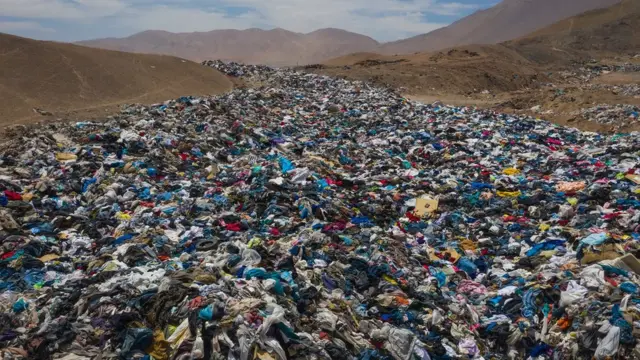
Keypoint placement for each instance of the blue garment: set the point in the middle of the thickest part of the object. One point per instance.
(123, 238)
(594, 239)
(465, 264)
(529, 307)
(20, 306)
(285, 165)
(547, 245)
(540, 349)
(629, 287)
(206, 313)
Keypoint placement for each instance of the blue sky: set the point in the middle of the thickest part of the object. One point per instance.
(72, 20)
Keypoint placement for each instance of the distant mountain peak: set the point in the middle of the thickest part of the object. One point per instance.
(275, 46)
(506, 20)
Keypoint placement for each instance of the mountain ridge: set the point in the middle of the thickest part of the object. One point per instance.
(502, 22)
(505, 21)
(274, 47)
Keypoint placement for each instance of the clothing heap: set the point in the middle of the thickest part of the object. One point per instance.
(317, 218)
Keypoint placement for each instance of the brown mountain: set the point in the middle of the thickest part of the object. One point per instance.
(65, 78)
(609, 32)
(509, 66)
(273, 47)
(507, 20)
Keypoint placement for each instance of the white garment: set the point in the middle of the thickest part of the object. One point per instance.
(574, 293)
(609, 345)
(592, 277)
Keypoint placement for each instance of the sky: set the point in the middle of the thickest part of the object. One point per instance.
(74, 20)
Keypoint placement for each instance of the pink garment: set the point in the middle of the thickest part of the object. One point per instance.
(471, 287)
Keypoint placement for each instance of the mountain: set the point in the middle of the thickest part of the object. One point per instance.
(63, 78)
(609, 32)
(507, 20)
(274, 47)
(515, 65)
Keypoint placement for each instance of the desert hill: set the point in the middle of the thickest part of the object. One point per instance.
(276, 47)
(507, 20)
(62, 78)
(610, 32)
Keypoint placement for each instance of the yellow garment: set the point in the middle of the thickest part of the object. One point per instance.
(389, 279)
(263, 355)
(509, 193)
(467, 244)
(604, 252)
(123, 216)
(634, 178)
(511, 171)
(159, 349)
(453, 254)
(254, 242)
(65, 157)
(548, 253)
(48, 257)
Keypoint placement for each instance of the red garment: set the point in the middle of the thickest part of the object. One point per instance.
(412, 217)
(7, 255)
(233, 227)
(337, 226)
(612, 215)
(196, 303)
(554, 141)
(14, 196)
(611, 281)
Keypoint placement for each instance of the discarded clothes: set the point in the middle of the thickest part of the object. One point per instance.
(317, 218)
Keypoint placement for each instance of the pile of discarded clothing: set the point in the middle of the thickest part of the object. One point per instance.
(317, 218)
(617, 115)
(235, 69)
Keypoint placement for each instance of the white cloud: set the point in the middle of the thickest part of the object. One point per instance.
(61, 9)
(183, 19)
(452, 9)
(381, 19)
(17, 26)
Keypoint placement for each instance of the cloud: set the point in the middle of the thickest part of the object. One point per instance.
(19, 26)
(381, 19)
(62, 9)
(175, 19)
(452, 9)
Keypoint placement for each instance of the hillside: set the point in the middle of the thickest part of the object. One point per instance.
(273, 47)
(507, 20)
(610, 32)
(509, 66)
(561, 72)
(460, 70)
(63, 78)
